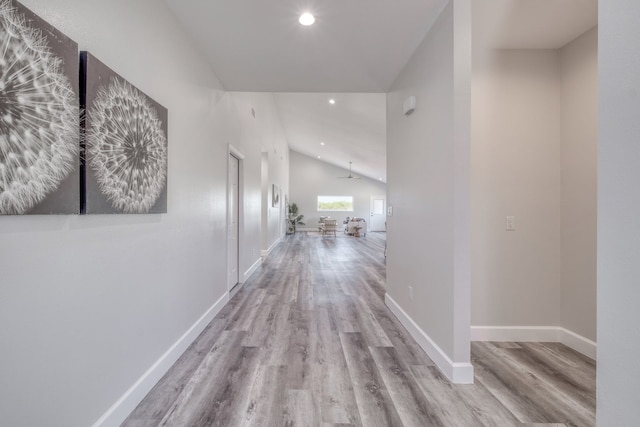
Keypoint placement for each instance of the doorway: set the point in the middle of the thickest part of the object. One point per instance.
(233, 222)
(377, 215)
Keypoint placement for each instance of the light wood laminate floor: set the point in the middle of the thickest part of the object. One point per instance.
(308, 341)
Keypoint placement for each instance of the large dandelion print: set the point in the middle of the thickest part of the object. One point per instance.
(126, 145)
(38, 115)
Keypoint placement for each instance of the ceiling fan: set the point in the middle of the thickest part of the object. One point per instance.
(350, 176)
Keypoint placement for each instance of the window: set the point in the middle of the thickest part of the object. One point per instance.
(335, 203)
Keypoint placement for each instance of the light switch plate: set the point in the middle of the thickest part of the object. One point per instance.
(511, 223)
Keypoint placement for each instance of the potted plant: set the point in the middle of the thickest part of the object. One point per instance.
(294, 218)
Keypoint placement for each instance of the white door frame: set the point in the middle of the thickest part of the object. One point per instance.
(233, 151)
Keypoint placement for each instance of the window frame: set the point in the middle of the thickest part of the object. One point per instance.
(337, 199)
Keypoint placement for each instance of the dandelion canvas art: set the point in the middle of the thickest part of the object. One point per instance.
(125, 144)
(39, 116)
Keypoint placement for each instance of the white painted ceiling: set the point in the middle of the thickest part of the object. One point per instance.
(352, 129)
(531, 24)
(353, 53)
(354, 46)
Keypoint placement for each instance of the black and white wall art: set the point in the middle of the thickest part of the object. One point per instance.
(39, 116)
(125, 148)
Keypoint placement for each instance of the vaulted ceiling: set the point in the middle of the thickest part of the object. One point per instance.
(353, 53)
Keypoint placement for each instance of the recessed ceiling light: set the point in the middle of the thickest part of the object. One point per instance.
(322, 143)
(307, 19)
(332, 101)
(380, 179)
(318, 156)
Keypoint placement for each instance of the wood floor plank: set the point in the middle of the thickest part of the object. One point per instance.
(205, 402)
(242, 319)
(400, 337)
(286, 288)
(509, 386)
(304, 299)
(298, 362)
(258, 333)
(274, 351)
(567, 386)
(324, 339)
(344, 309)
(507, 345)
(300, 409)
(368, 325)
(408, 399)
(528, 394)
(334, 389)
(373, 294)
(374, 402)
(167, 390)
(461, 405)
(266, 398)
(567, 364)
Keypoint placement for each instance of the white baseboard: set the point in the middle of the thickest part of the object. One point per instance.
(515, 333)
(265, 253)
(134, 395)
(579, 343)
(535, 334)
(251, 270)
(235, 290)
(458, 373)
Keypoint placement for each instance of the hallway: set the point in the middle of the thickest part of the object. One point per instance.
(309, 341)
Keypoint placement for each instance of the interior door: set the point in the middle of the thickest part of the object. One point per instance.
(377, 217)
(233, 219)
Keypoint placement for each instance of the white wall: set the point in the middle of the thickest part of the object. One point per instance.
(428, 166)
(311, 178)
(257, 136)
(534, 133)
(516, 171)
(618, 213)
(89, 303)
(579, 96)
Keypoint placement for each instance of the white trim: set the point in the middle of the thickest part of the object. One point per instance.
(235, 152)
(273, 246)
(535, 334)
(265, 253)
(515, 333)
(235, 290)
(457, 373)
(119, 411)
(578, 343)
(251, 270)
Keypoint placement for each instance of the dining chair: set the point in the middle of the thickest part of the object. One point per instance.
(330, 227)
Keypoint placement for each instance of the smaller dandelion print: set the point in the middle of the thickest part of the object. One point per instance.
(38, 115)
(126, 146)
